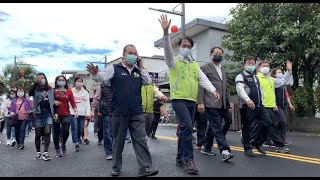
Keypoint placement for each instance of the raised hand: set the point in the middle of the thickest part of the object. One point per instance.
(289, 66)
(140, 62)
(92, 69)
(165, 24)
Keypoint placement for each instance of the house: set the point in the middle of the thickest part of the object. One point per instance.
(205, 34)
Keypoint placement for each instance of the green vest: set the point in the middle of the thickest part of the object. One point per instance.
(269, 94)
(147, 95)
(184, 79)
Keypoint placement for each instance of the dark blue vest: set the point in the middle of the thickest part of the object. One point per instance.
(255, 93)
(126, 91)
(281, 96)
(105, 99)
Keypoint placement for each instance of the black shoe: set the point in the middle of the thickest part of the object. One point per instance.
(191, 167)
(115, 173)
(46, 157)
(38, 156)
(80, 141)
(249, 153)
(260, 150)
(76, 148)
(21, 147)
(179, 162)
(147, 172)
(99, 142)
(58, 153)
(63, 149)
(86, 141)
(153, 136)
(269, 144)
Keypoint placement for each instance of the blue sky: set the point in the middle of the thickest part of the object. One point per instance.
(58, 37)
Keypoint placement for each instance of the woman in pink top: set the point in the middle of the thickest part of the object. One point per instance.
(20, 126)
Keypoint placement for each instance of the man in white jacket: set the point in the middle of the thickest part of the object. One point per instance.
(82, 100)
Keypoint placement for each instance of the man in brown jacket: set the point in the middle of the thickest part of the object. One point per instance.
(215, 108)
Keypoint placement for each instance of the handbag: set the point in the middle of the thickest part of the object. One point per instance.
(31, 116)
(14, 119)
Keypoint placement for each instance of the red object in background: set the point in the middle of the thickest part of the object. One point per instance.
(174, 29)
(22, 72)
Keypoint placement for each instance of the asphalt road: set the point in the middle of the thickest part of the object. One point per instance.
(304, 159)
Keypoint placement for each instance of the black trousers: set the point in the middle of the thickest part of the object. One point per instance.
(214, 116)
(100, 128)
(202, 122)
(262, 127)
(65, 122)
(155, 122)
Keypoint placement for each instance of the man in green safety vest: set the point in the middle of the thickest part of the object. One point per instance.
(185, 76)
(148, 93)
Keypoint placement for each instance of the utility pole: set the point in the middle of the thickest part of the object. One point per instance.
(182, 14)
(183, 19)
(105, 61)
(15, 69)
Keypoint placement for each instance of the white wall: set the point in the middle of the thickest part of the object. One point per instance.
(155, 65)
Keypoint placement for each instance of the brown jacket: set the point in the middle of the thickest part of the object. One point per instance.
(207, 98)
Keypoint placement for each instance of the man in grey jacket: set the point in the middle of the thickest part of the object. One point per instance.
(215, 108)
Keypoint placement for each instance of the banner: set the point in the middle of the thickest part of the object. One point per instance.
(154, 77)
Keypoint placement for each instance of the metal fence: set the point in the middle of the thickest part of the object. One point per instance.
(235, 115)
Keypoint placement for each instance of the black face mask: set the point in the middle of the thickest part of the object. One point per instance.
(217, 58)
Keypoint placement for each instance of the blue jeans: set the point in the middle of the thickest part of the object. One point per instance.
(10, 129)
(185, 111)
(76, 127)
(20, 131)
(107, 139)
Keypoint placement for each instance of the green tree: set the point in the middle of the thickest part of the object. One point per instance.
(29, 76)
(232, 71)
(2, 85)
(278, 32)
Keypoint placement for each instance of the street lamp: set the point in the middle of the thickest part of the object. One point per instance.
(15, 68)
(182, 14)
(99, 62)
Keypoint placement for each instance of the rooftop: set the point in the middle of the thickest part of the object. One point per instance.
(74, 72)
(192, 28)
(159, 57)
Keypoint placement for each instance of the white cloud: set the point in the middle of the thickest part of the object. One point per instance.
(91, 26)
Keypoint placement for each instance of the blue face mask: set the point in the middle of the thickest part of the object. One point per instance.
(184, 52)
(250, 69)
(132, 59)
(280, 75)
(61, 83)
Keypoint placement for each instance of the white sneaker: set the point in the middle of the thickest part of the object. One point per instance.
(8, 142)
(226, 155)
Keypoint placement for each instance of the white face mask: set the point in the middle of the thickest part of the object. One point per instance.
(184, 52)
(20, 94)
(43, 82)
(265, 70)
